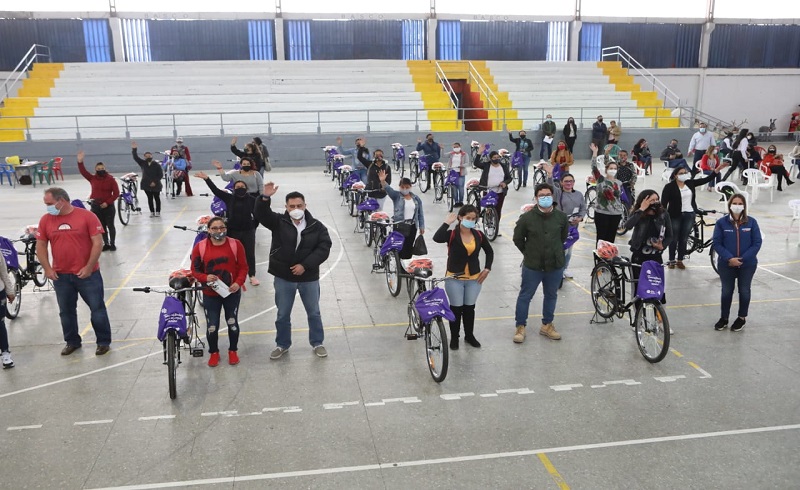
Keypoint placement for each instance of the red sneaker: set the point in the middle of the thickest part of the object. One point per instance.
(214, 359)
(233, 357)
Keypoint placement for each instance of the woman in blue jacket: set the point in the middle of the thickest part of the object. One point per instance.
(737, 240)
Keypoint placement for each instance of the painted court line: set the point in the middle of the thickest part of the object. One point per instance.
(456, 459)
(705, 373)
(565, 387)
(157, 417)
(24, 427)
(94, 422)
(554, 474)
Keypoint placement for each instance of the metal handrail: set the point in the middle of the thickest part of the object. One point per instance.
(446, 86)
(487, 92)
(657, 85)
(27, 60)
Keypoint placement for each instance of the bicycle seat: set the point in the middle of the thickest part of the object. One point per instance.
(346, 168)
(379, 216)
(503, 152)
(526, 207)
(620, 260)
(414, 154)
(339, 157)
(419, 267)
(329, 148)
(438, 166)
(396, 145)
(129, 176)
(358, 186)
(473, 183)
(181, 279)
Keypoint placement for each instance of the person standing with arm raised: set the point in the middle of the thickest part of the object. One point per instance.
(524, 145)
(105, 192)
(152, 173)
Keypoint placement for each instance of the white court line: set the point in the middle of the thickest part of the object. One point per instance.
(159, 352)
(780, 275)
(157, 417)
(24, 427)
(457, 459)
(94, 422)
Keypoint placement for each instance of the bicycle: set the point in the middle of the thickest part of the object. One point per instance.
(399, 158)
(329, 152)
(539, 174)
(590, 197)
(413, 166)
(20, 276)
(128, 201)
(517, 169)
(379, 224)
(450, 188)
(438, 176)
(368, 206)
(426, 310)
(355, 196)
(392, 268)
(697, 242)
(178, 327)
(424, 173)
(626, 212)
(485, 200)
(338, 163)
(649, 319)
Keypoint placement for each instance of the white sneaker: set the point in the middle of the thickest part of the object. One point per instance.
(567, 274)
(7, 361)
(671, 332)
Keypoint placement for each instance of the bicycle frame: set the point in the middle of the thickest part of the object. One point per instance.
(621, 278)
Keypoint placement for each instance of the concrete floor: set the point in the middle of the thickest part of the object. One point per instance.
(721, 411)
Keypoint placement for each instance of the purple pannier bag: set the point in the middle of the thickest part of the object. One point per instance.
(423, 163)
(489, 200)
(369, 204)
(218, 207)
(9, 253)
(452, 177)
(78, 203)
(352, 179)
(572, 237)
(401, 153)
(172, 317)
(517, 160)
(557, 172)
(393, 242)
(486, 149)
(651, 281)
(200, 237)
(337, 166)
(433, 303)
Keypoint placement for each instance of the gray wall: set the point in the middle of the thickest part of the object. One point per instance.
(298, 150)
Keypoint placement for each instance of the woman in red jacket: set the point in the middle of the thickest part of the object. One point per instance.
(709, 163)
(772, 163)
(104, 192)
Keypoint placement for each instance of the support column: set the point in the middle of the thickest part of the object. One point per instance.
(117, 43)
(705, 43)
(430, 53)
(575, 40)
(280, 49)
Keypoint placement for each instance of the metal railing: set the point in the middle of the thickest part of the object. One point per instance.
(491, 99)
(446, 86)
(34, 54)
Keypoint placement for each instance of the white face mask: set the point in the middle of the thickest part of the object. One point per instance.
(684, 177)
(737, 209)
(405, 192)
(297, 214)
(612, 173)
(457, 149)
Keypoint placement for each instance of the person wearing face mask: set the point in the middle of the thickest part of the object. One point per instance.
(252, 179)
(642, 156)
(494, 175)
(105, 192)
(599, 133)
(570, 134)
(458, 162)
(524, 145)
(430, 148)
(627, 175)
(673, 156)
(218, 258)
(708, 164)
(678, 197)
(739, 156)
(701, 141)
(737, 241)
(374, 181)
(614, 132)
(251, 152)
(726, 147)
(464, 272)
(562, 157)
(609, 206)
(183, 162)
(300, 244)
(360, 154)
(407, 214)
(571, 203)
(241, 222)
(152, 173)
(548, 131)
(73, 237)
(773, 164)
(540, 234)
(652, 230)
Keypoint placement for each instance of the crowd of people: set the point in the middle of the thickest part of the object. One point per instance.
(70, 240)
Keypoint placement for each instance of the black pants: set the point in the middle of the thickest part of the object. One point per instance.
(606, 225)
(781, 172)
(154, 197)
(738, 162)
(248, 239)
(409, 233)
(571, 143)
(107, 217)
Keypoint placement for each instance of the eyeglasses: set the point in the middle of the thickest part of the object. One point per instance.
(219, 228)
(567, 181)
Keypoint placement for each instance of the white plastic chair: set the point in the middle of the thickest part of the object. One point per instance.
(757, 181)
(794, 204)
(641, 175)
(720, 188)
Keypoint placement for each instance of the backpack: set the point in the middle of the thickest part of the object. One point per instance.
(234, 249)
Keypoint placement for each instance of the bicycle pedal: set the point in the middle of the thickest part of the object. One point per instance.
(197, 352)
(412, 336)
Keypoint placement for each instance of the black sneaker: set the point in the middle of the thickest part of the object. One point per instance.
(738, 324)
(722, 324)
(113, 248)
(106, 248)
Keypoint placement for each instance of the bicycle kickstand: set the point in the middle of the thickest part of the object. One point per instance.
(597, 319)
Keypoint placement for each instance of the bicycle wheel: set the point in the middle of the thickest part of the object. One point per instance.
(436, 349)
(438, 187)
(491, 224)
(621, 230)
(591, 200)
(539, 177)
(12, 309)
(352, 203)
(693, 240)
(517, 176)
(451, 197)
(652, 330)
(397, 165)
(472, 198)
(391, 267)
(413, 171)
(368, 234)
(123, 210)
(604, 297)
(712, 254)
(361, 221)
(172, 367)
(38, 274)
(423, 181)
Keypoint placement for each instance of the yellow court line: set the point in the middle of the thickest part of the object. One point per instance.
(136, 268)
(553, 472)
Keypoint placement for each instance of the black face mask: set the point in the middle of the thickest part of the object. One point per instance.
(240, 192)
(148, 159)
(246, 168)
(656, 207)
(494, 162)
(101, 173)
(772, 152)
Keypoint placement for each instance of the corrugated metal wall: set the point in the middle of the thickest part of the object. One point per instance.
(414, 39)
(500, 40)
(357, 40)
(448, 40)
(755, 46)
(96, 34)
(261, 39)
(657, 45)
(557, 41)
(136, 40)
(192, 40)
(591, 42)
(64, 37)
(297, 39)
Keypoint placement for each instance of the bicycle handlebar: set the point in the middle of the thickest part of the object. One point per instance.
(149, 289)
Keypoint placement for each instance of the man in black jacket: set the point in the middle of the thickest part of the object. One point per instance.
(525, 145)
(300, 244)
(373, 180)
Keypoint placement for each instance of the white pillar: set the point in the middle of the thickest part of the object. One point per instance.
(430, 53)
(575, 40)
(117, 44)
(280, 50)
(705, 43)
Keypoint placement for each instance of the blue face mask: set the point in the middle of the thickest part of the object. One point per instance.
(52, 210)
(546, 201)
(467, 224)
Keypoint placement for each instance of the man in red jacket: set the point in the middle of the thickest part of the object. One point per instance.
(104, 192)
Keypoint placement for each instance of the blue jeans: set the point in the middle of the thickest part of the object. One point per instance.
(530, 283)
(462, 292)
(362, 173)
(545, 151)
(213, 305)
(526, 162)
(729, 276)
(459, 194)
(681, 227)
(714, 180)
(284, 300)
(68, 287)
